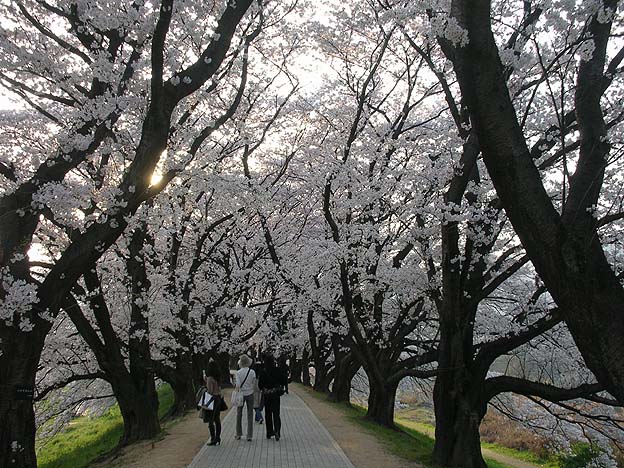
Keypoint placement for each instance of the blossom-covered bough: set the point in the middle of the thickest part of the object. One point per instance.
(565, 249)
(563, 240)
(177, 188)
(190, 258)
(95, 76)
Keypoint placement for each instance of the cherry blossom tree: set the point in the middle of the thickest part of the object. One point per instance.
(174, 253)
(100, 81)
(563, 239)
(181, 189)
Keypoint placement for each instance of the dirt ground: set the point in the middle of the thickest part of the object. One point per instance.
(180, 441)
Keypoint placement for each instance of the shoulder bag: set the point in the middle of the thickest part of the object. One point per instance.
(238, 398)
(207, 405)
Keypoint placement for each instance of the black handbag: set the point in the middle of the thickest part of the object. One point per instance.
(222, 404)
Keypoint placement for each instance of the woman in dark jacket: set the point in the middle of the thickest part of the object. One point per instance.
(272, 383)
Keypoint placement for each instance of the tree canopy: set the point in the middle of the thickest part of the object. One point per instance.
(416, 189)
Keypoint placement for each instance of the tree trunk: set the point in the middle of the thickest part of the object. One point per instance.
(139, 410)
(458, 401)
(305, 369)
(18, 366)
(341, 387)
(138, 399)
(295, 369)
(182, 382)
(183, 397)
(321, 379)
(199, 364)
(565, 250)
(458, 417)
(381, 400)
(223, 361)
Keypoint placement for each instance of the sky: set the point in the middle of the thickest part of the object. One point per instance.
(6, 103)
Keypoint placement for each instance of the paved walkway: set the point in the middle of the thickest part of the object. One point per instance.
(305, 443)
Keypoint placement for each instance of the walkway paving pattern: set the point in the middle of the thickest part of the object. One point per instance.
(305, 443)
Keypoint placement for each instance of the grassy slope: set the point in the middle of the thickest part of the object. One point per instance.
(87, 438)
(408, 443)
(526, 456)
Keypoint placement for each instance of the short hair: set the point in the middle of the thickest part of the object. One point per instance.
(244, 361)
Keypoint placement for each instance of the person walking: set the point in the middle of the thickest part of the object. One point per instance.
(285, 370)
(245, 383)
(258, 397)
(211, 403)
(272, 383)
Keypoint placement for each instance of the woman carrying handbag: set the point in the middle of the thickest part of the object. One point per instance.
(211, 403)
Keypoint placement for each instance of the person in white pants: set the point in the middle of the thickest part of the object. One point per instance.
(246, 383)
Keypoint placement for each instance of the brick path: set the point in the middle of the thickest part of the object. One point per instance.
(305, 443)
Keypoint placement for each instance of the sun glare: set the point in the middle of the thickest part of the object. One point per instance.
(36, 253)
(156, 177)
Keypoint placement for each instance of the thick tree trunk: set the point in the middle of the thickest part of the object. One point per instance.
(458, 401)
(183, 397)
(223, 361)
(295, 369)
(321, 379)
(137, 398)
(565, 250)
(18, 365)
(184, 379)
(138, 402)
(139, 410)
(381, 399)
(319, 357)
(199, 364)
(305, 369)
(341, 386)
(458, 417)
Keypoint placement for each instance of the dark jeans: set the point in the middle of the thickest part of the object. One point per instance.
(272, 414)
(213, 418)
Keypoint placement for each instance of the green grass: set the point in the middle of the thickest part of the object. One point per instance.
(408, 442)
(87, 438)
(165, 400)
(406, 420)
(524, 455)
(416, 425)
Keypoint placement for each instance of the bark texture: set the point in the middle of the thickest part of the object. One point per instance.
(565, 249)
(17, 369)
(346, 368)
(17, 433)
(381, 400)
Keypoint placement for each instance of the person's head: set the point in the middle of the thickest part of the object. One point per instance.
(269, 361)
(213, 370)
(244, 361)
